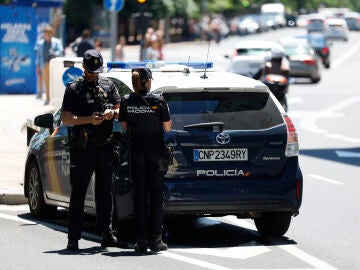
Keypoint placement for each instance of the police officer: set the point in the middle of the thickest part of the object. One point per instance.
(90, 104)
(145, 116)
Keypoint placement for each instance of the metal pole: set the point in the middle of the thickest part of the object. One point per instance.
(113, 36)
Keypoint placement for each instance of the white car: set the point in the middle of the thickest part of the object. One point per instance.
(249, 56)
(337, 29)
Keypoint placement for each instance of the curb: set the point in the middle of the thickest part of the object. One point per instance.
(13, 199)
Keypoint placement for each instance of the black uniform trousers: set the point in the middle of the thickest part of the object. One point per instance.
(96, 157)
(148, 184)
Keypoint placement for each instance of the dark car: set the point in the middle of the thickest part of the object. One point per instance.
(235, 152)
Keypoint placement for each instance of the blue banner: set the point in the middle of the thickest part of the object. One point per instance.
(18, 32)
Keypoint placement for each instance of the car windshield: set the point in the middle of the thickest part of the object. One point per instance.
(297, 50)
(253, 51)
(237, 110)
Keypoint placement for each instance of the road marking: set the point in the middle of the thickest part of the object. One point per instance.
(295, 100)
(246, 251)
(347, 154)
(6, 207)
(309, 121)
(47, 225)
(328, 180)
(345, 56)
(291, 249)
(309, 259)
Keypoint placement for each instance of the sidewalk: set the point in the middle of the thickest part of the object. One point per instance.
(14, 112)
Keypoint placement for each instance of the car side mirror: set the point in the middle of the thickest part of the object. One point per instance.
(45, 121)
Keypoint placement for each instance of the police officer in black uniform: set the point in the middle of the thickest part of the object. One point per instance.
(90, 104)
(145, 116)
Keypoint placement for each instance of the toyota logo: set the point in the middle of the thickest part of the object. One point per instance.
(223, 138)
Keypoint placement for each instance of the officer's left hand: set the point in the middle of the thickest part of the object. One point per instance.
(108, 114)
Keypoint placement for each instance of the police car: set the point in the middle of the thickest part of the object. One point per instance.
(235, 150)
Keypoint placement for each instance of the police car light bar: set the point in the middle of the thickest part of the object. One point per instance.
(158, 64)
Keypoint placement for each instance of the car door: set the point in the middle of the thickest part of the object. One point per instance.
(122, 186)
(56, 160)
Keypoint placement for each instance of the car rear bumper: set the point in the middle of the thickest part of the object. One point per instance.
(236, 196)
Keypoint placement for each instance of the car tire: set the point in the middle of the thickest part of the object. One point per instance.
(273, 223)
(37, 205)
(315, 80)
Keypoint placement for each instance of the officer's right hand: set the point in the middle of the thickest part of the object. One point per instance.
(96, 119)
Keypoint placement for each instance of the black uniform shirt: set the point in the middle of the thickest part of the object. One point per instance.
(144, 122)
(83, 98)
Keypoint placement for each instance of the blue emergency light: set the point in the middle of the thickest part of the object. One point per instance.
(158, 64)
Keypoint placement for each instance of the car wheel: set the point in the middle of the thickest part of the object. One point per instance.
(273, 223)
(36, 201)
(315, 80)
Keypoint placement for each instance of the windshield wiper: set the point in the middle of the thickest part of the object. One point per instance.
(205, 126)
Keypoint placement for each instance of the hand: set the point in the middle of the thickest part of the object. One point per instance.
(109, 114)
(96, 119)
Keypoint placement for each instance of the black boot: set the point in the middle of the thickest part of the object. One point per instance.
(140, 246)
(157, 244)
(109, 239)
(72, 245)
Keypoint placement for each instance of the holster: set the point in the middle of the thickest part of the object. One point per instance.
(79, 138)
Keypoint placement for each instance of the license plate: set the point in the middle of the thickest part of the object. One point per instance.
(231, 154)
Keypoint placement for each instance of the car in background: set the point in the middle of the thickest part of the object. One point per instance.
(353, 21)
(235, 151)
(246, 24)
(304, 62)
(316, 26)
(249, 56)
(337, 29)
(321, 46)
(302, 20)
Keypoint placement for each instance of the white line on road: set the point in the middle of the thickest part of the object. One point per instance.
(309, 259)
(291, 249)
(309, 121)
(325, 179)
(345, 56)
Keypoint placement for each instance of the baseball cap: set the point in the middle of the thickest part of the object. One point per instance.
(93, 61)
(145, 73)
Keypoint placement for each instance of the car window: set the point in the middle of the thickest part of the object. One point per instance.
(238, 111)
(297, 50)
(122, 88)
(253, 51)
(57, 118)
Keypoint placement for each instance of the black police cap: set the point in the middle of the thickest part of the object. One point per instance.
(93, 61)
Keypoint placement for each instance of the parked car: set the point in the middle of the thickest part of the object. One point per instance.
(235, 151)
(303, 60)
(249, 56)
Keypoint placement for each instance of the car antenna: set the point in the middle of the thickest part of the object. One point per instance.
(207, 56)
(187, 69)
